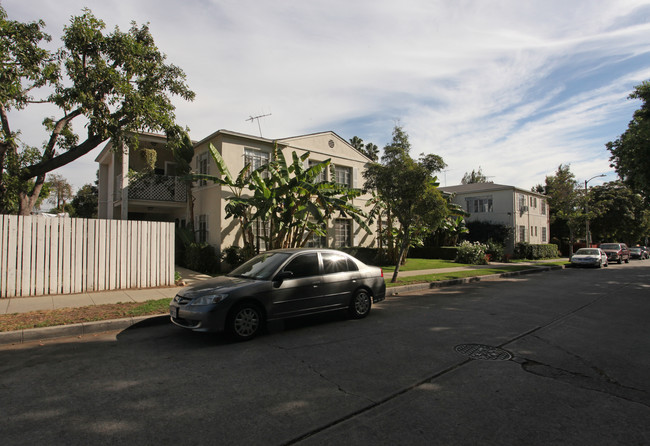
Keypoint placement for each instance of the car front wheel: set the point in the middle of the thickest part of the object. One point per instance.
(244, 322)
(360, 305)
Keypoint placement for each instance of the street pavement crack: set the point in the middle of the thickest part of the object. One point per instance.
(583, 381)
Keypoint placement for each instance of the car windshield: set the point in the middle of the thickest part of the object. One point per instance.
(609, 246)
(260, 267)
(635, 249)
(587, 252)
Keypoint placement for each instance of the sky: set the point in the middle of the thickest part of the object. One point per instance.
(512, 87)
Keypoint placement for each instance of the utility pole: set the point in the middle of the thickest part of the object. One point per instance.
(587, 209)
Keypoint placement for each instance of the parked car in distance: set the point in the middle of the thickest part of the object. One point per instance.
(276, 285)
(589, 257)
(616, 252)
(638, 253)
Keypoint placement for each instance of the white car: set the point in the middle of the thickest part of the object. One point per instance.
(589, 257)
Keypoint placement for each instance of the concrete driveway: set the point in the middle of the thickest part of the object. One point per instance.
(562, 362)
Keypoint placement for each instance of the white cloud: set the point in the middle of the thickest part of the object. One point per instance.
(514, 87)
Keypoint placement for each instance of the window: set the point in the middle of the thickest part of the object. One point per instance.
(203, 166)
(203, 228)
(343, 175)
(321, 178)
(543, 202)
(522, 233)
(544, 240)
(260, 231)
(476, 205)
(342, 233)
(256, 159)
(533, 202)
(522, 202)
(305, 265)
(317, 241)
(336, 263)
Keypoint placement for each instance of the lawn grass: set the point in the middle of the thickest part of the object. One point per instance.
(428, 278)
(67, 316)
(419, 264)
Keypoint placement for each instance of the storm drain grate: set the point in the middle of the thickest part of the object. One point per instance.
(483, 352)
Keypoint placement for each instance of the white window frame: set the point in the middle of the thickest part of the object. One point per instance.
(256, 158)
(344, 171)
(343, 236)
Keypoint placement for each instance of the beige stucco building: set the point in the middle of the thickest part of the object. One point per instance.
(164, 198)
(525, 212)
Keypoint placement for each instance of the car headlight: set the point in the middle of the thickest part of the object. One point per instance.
(208, 299)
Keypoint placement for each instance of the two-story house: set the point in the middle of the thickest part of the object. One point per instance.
(163, 196)
(525, 212)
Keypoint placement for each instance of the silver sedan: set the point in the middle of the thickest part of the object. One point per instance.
(278, 285)
(589, 257)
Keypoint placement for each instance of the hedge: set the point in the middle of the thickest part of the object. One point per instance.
(534, 252)
(438, 252)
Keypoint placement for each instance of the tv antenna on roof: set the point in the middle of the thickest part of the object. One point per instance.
(258, 120)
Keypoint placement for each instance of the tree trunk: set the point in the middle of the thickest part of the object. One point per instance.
(27, 201)
(402, 252)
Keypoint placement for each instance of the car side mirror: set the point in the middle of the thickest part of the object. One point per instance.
(282, 276)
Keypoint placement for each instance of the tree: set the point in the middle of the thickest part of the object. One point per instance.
(60, 191)
(409, 190)
(118, 82)
(564, 200)
(370, 150)
(631, 151)
(85, 202)
(181, 147)
(620, 214)
(474, 177)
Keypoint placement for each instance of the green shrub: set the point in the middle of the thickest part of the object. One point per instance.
(495, 251)
(201, 257)
(534, 252)
(369, 256)
(438, 252)
(472, 253)
(235, 256)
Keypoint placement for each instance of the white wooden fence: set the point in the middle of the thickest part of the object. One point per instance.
(41, 255)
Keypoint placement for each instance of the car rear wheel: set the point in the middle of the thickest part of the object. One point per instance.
(245, 322)
(360, 305)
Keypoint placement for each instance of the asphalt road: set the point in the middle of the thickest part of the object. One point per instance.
(579, 341)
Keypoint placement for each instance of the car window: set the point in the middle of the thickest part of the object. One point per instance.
(336, 263)
(261, 266)
(304, 265)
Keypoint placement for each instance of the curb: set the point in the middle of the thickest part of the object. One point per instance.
(396, 291)
(79, 330)
(86, 328)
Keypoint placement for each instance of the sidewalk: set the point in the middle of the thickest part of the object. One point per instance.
(56, 301)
